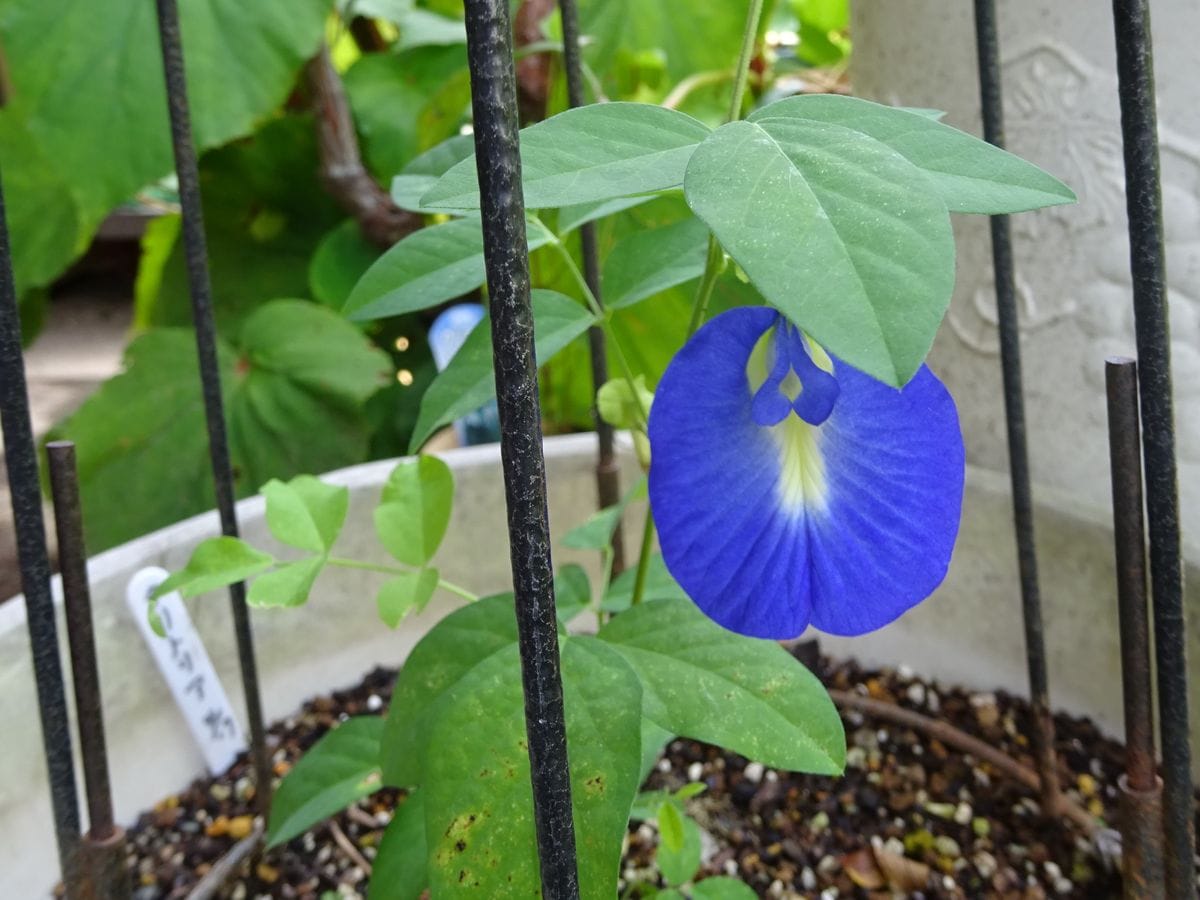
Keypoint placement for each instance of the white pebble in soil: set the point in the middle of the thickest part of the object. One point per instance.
(753, 772)
(695, 771)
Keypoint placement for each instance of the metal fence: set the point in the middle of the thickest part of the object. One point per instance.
(1157, 813)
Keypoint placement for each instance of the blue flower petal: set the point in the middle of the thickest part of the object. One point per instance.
(845, 525)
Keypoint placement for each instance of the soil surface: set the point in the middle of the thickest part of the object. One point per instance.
(911, 817)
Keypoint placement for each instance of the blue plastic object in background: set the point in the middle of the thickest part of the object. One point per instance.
(446, 335)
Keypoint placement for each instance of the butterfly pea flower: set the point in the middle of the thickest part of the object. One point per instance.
(791, 489)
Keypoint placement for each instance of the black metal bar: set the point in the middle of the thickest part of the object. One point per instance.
(991, 96)
(200, 288)
(1141, 789)
(20, 459)
(77, 602)
(1143, 196)
(608, 476)
(494, 102)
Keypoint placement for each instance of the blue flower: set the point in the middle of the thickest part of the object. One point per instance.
(791, 489)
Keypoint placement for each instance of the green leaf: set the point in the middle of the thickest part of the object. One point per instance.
(388, 92)
(410, 590)
(428, 267)
(970, 175)
(98, 106)
(306, 512)
(294, 391)
(670, 826)
(572, 592)
(451, 649)
(340, 260)
(592, 153)
(479, 816)
(572, 217)
(839, 232)
(709, 684)
(468, 381)
(414, 511)
(648, 263)
(621, 407)
(722, 888)
(596, 533)
(287, 586)
(265, 213)
(41, 210)
(689, 37)
(660, 585)
(679, 863)
(419, 176)
(399, 870)
(216, 563)
(654, 739)
(340, 768)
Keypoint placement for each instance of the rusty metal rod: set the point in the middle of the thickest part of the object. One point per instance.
(991, 95)
(20, 459)
(72, 560)
(1147, 255)
(1141, 789)
(608, 475)
(200, 288)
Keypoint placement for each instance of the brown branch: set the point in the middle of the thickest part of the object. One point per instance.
(347, 846)
(347, 179)
(948, 734)
(533, 71)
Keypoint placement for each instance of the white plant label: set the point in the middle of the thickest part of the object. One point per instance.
(188, 671)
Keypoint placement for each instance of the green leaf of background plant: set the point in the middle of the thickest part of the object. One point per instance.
(690, 37)
(709, 684)
(572, 592)
(597, 152)
(414, 511)
(660, 585)
(215, 563)
(439, 661)
(405, 592)
(646, 264)
(722, 888)
(97, 105)
(479, 803)
(265, 214)
(670, 826)
(41, 210)
(306, 513)
(388, 92)
(468, 381)
(572, 217)
(399, 870)
(294, 393)
(969, 174)
(428, 267)
(342, 767)
(678, 862)
(341, 258)
(839, 232)
(597, 531)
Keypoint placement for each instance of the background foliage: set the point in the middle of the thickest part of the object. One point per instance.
(83, 130)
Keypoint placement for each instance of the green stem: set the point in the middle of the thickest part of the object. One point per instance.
(742, 72)
(605, 323)
(716, 256)
(450, 586)
(639, 580)
(708, 281)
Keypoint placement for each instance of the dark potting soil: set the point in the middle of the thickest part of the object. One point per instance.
(911, 817)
